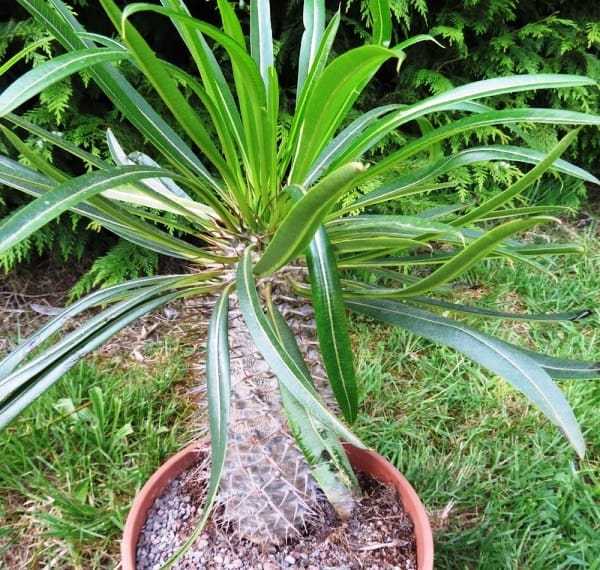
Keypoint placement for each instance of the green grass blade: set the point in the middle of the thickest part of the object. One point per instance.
(34, 81)
(279, 359)
(298, 227)
(517, 368)
(332, 328)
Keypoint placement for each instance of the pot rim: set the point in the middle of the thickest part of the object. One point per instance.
(365, 460)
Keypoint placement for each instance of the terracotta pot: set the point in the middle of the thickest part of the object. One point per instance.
(362, 460)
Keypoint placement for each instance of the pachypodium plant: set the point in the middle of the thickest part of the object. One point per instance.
(275, 218)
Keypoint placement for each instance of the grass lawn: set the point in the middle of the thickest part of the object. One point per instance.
(502, 486)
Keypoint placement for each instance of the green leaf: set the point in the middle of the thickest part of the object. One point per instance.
(226, 117)
(261, 37)
(55, 140)
(158, 76)
(381, 20)
(466, 94)
(218, 384)
(467, 124)
(415, 182)
(332, 328)
(520, 185)
(373, 241)
(483, 312)
(23, 53)
(42, 76)
(343, 140)
(53, 203)
(58, 19)
(99, 209)
(313, 17)
(218, 389)
(460, 262)
(321, 447)
(340, 84)
(517, 368)
(22, 388)
(438, 258)
(279, 359)
(250, 87)
(110, 294)
(562, 368)
(390, 225)
(298, 227)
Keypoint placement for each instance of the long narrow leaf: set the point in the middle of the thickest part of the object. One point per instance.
(218, 388)
(483, 312)
(340, 84)
(278, 358)
(51, 204)
(520, 185)
(332, 328)
(42, 76)
(467, 93)
(381, 21)
(313, 17)
(15, 357)
(58, 19)
(261, 38)
(17, 402)
(515, 367)
(460, 262)
(414, 182)
(298, 227)
(321, 447)
(100, 210)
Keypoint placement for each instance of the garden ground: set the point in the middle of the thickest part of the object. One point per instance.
(503, 488)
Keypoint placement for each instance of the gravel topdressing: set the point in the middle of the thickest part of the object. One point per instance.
(379, 535)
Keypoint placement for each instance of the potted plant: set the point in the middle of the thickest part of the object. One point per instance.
(274, 218)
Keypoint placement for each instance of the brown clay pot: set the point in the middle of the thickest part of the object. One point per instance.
(362, 460)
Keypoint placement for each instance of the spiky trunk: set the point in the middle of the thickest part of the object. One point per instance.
(268, 493)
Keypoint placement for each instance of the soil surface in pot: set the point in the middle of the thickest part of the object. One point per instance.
(379, 535)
